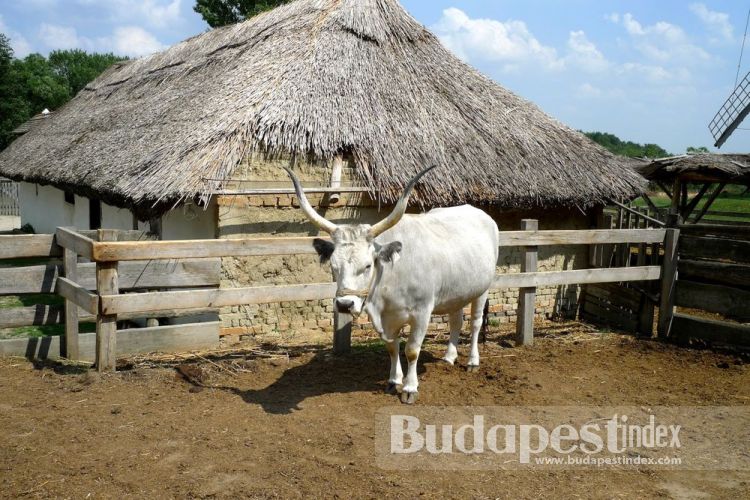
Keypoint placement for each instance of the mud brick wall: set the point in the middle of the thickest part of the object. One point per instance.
(279, 215)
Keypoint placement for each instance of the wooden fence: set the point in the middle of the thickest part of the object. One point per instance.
(94, 291)
(714, 276)
(9, 198)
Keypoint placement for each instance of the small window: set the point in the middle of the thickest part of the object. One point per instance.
(70, 198)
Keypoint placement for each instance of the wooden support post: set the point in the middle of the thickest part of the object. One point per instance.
(70, 271)
(342, 332)
(527, 296)
(106, 324)
(676, 193)
(668, 283)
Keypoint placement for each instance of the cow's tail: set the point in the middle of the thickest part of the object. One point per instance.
(485, 322)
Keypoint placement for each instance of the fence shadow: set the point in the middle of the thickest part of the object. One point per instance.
(326, 374)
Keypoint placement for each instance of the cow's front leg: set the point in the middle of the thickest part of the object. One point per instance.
(396, 379)
(413, 348)
(456, 323)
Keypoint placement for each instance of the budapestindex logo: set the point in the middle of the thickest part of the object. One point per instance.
(559, 437)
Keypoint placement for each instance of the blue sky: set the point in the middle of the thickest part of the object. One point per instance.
(646, 70)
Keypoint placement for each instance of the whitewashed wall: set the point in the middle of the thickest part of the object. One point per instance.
(45, 208)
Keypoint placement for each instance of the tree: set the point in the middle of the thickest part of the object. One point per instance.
(222, 12)
(13, 108)
(617, 146)
(693, 150)
(77, 68)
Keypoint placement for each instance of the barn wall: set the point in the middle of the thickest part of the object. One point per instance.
(278, 215)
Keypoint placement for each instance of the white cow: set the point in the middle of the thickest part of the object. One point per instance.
(408, 267)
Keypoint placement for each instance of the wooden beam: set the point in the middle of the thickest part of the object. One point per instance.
(527, 295)
(138, 275)
(580, 237)
(18, 246)
(687, 328)
(668, 283)
(106, 323)
(737, 251)
(638, 215)
(146, 302)
(650, 203)
(80, 244)
(165, 339)
(715, 272)
(664, 188)
(676, 193)
(710, 202)
(576, 277)
(694, 203)
(732, 302)
(721, 231)
(70, 270)
(77, 294)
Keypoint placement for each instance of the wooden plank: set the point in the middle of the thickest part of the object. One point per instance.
(70, 269)
(165, 339)
(106, 324)
(692, 247)
(686, 328)
(77, 294)
(43, 314)
(145, 302)
(342, 333)
(577, 277)
(247, 247)
(731, 302)
(687, 212)
(709, 202)
(668, 280)
(580, 237)
(137, 275)
(609, 316)
(722, 231)
(120, 251)
(527, 295)
(715, 272)
(120, 235)
(19, 246)
(609, 292)
(80, 244)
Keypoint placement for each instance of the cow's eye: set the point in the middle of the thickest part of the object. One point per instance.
(368, 267)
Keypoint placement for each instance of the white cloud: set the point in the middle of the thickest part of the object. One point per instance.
(61, 37)
(489, 40)
(717, 22)
(135, 41)
(613, 17)
(21, 47)
(663, 42)
(584, 54)
(587, 90)
(157, 13)
(130, 41)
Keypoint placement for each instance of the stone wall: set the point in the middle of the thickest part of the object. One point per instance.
(279, 215)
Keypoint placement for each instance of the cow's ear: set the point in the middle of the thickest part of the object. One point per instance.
(324, 248)
(390, 252)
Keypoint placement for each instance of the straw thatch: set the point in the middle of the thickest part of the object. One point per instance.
(313, 78)
(704, 167)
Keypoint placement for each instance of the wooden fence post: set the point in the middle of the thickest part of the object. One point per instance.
(527, 296)
(106, 324)
(668, 282)
(342, 332)
(70, 271)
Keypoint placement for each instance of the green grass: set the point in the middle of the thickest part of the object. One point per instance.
(727, 202)
(14, 301)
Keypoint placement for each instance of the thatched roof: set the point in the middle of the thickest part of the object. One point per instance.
(314, 77)
(704, 167)
(32, 122)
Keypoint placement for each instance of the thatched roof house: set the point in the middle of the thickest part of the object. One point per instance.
(320, 78)
(704, 167)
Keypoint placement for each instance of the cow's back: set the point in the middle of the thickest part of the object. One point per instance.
(449, 258)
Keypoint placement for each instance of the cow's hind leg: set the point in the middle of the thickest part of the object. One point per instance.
(456, 322)
(413, 348)
(477, 313)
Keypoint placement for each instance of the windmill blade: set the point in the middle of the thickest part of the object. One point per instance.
(731, 114)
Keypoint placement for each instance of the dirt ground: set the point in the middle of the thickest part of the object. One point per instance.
(303, 425)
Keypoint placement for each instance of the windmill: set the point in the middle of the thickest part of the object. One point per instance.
(736, 107)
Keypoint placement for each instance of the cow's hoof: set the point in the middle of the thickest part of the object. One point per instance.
(393, 389)
(450, 361)
(409, 398)
(472, 368)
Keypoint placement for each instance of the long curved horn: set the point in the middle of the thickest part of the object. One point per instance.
(400, 209)
(317, 219)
